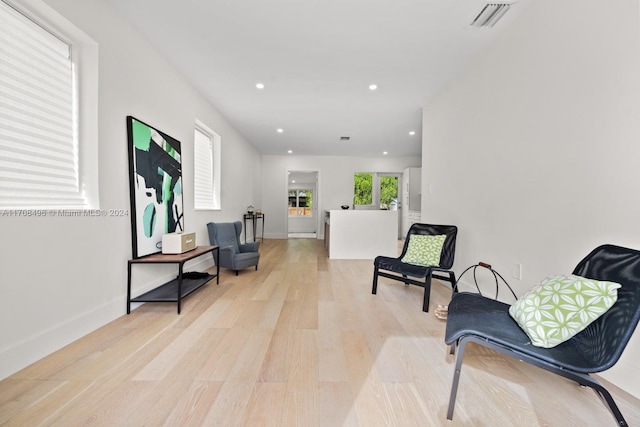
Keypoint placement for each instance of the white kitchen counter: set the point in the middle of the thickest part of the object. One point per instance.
(363, 234)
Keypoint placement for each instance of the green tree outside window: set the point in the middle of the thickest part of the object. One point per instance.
(388, 191)
(363, 188)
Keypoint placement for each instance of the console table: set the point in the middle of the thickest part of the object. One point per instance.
(178, 288)
(254, 218)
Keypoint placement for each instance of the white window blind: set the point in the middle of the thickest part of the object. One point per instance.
(38, 137)
(203, 171)
(206, 168)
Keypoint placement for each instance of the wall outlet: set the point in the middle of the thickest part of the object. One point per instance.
(517, 271)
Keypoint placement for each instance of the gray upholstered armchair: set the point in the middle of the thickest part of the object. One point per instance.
(233, 254)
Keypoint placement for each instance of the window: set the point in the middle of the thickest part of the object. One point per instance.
(388, 192)
(375, 190)
(300, 202)
(363, 189)
(43, 112)
(206, 168)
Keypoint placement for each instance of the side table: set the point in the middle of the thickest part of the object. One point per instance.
(254, 219)
(178, 288)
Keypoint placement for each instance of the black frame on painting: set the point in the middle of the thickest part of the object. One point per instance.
(155, 186)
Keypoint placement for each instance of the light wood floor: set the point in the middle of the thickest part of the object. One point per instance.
(299, 342)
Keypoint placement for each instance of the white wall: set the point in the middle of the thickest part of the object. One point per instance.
(63, 277)
(335, 183)
(533, 151)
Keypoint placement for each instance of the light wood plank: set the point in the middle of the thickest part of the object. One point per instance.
(331, 359)
(301, 400)
(173, 353)
(266, 405)
(193, 407)
(280, 352)
(336, 404)
(371, 401)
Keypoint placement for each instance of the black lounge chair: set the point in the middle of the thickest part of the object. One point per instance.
(484, 321)
(394, 268)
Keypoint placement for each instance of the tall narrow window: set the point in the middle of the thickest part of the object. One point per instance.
(388, 192)
(40, 108)
(363, 189)
(206, 180)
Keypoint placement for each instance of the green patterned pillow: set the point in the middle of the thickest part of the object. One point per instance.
(424, 250)
(560, 307)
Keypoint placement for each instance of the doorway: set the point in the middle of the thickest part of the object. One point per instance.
(302, 204)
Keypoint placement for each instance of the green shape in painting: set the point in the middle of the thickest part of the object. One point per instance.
(170, 150)
(177, 189)
(141, 136)
(149, 219)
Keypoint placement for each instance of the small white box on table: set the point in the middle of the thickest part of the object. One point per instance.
(177, 243)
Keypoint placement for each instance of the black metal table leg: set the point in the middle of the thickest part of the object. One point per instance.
(128, 287)
(180, 285)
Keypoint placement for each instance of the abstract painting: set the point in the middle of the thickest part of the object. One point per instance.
(155, 186)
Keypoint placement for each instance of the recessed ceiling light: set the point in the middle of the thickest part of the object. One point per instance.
(260, 85)
(412, 133)
(290, 151)
(385, 153)
(280, 130)
(373, 87)
(293, 181)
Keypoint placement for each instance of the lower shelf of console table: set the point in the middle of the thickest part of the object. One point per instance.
(174, 290)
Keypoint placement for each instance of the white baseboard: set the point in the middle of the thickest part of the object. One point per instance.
(33, 348)
(19, 355)
(275, 236)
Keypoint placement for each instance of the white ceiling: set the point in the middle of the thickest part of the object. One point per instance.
(317, 59)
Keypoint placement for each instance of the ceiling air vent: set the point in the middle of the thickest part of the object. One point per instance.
(490, 14)
(345, 138)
